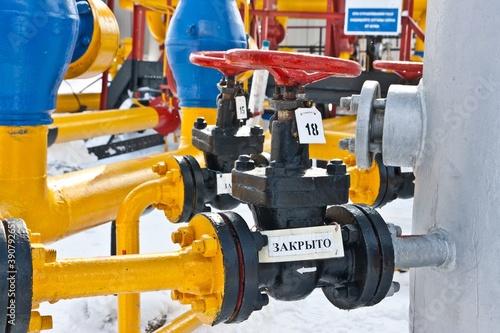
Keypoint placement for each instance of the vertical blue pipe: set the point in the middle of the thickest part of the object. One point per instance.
(201, 25)
(37, 39)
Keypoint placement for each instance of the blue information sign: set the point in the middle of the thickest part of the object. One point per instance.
(369, 21)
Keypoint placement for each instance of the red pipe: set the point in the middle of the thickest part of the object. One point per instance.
(138, 28)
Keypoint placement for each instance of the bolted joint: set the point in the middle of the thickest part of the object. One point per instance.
(160, 168)
(207, 246)
(393, 289)
(200, 123)
(395, 230)
(39, 323)
(41, 255)
(199, 306)
(173, 175)
(50, 255)
(350, 103)
(350, 234)
(259, 240)
(244, 163)
(183, 236)
(347, 291)
(206, 304)
(256, 130)
(348, 144)
(35, 237)
(183, 298)
(261, 301)
(336, 167)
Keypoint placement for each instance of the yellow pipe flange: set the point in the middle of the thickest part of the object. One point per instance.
(103, 45)
(157, 26)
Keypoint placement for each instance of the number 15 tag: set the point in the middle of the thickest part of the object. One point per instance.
(309, 125)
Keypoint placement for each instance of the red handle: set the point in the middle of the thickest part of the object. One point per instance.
(408, 70)
(291, 69)
(215, 59)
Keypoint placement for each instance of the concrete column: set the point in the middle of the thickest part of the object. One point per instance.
(458, 173)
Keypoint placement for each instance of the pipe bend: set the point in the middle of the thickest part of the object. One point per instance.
(129, 213)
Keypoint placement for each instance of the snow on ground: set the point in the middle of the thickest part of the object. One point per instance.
(313, 314)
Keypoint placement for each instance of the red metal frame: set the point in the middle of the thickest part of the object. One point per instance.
(408, 26)
(334, 17)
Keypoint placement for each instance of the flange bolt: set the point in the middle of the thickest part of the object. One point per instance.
(256, 130)
(336, 167)
(244, 163)
(200, 123)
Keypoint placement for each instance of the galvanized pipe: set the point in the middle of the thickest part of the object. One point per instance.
(433, 249)
(457, 172)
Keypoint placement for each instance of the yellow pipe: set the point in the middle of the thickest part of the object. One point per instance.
(85, 125)
(74, 201)
(74, 103)
(55, 280)
(185, 323)
(165, 191)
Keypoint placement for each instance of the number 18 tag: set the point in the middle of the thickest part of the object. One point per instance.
(309, 125)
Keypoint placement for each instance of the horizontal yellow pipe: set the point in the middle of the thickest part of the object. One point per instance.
(86, 277)
(86, 125)
(75, 102)
(66, 204)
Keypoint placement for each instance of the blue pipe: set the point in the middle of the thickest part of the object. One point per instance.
(37, 39)
(201, 25)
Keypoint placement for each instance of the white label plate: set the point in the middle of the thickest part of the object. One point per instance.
(224, 183)
(241, 107)
(309, 125)
(302, 244)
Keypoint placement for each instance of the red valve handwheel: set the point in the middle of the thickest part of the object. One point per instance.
(215, 59)
(407, 70)
(291, 69)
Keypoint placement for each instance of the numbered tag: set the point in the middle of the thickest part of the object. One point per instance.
(224, 183)
(302, 244)
(309, 125)
(241, 107)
